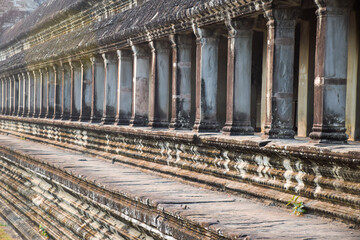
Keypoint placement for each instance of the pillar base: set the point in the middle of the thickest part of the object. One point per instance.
(107, 120)
(65, 117)
(138, 122)
(177, 124)
(282, 133)
(234, 130)
(49, 116)
(158, 124)
(328, 135)
(57, 116)
(83, 118)
(206, 127)
(74, 118)
(122, 121)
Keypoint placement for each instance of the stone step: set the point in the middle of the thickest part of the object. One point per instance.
(173, 208)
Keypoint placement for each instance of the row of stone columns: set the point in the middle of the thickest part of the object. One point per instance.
(131, 86)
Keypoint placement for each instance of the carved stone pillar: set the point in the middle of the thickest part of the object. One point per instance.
(7, 96)
(86, 90)
(75, 97)
(37, 93)
(238, 101)
(159, 84)
(31, 104)
(15, 95)
(25, 94)
(124, 89)
(98, 88)
(140, 90)
(207, 41)
(331, 71)
(20, 94)
(181, 81)
(57, 91)
(280, 72)
(50, 92)
(2, 96)
(66, 93)
(43, 92)
(110, 87)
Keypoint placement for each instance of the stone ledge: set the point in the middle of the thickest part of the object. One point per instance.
(242, 166)
(48, 170)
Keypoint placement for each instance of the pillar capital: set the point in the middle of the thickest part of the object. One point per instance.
(235, 27)
(331, 5)
(139, 51)
(124, 54)
(282, 17)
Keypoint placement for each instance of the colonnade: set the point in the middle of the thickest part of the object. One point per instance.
(150, 84)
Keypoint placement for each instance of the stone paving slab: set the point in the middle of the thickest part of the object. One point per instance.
(220, 211)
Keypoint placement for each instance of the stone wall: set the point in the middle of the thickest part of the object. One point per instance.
(326, 178)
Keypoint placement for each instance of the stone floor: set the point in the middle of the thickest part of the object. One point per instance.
(219, 211)
(6, 232)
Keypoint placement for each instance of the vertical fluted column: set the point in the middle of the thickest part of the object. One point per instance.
(207, 45)
(238, 102)
(181, 81)
(25, 94)
(50, 92)
(331, 71)
(76, 79)
(110, 87)
(2, 96)
(31, 94)
(98, 88)
(280, 72)
(8, 94)
(86, 90)
(43, 91)
(140, 90)
(37, 93)
(159, 84)
(16, 95)
(57, 91)
(66, 94)
(124, 87)
(20, 94)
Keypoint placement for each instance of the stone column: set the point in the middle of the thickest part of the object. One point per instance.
(37, 93)
(9, 95)
(75, 97)
(353, 78)
(31, 94)
(238, 101)
(110, 87)
(331, 71)
(43, 92)
(181, 81)
(26, 94)
(86, 90)
(50, 92)
(58, 73)
(98, 88)
(124, 90)
(207, 45)
(280, 72)
(19, 92)
(159, 102)
(66, 93)
(15, 95)
(140, 90)
(2, 96)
